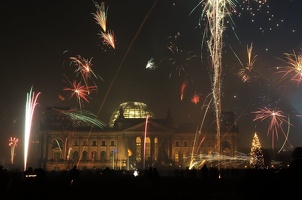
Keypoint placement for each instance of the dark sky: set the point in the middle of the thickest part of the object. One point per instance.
(38, 38)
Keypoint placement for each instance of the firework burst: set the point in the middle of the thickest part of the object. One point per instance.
(80, 91)
(180, 59)
(276, 119)
(84, 68)
(195, 99)
(245, 73)
(293, 70)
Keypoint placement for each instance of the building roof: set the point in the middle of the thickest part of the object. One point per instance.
(131, 109)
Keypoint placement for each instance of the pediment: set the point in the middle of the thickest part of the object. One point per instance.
(151, 126)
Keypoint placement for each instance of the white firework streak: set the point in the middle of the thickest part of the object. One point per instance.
(31, 103)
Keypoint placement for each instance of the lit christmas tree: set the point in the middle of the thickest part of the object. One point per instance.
(256, 159)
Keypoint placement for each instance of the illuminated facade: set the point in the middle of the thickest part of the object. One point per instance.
(134, 138)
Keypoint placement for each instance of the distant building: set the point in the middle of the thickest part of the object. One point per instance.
(133, 139)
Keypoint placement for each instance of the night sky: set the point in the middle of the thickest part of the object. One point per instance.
(39, 37)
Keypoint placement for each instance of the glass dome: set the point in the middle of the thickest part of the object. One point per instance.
(131, 110)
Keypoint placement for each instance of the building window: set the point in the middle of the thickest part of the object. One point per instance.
(75, 156)
(176, 157)
(56, 156)
(185, 144)
(84, 156)
(93, 143)
(112, 143)
(75, 143)
(155, 148)
(84, 143)
(93, 156)
(147, 149)
(226, 145)
(184, 156)
(111, 155)
(138, 151)
(103, 143)
(177, 143)
(103, 156)
(57, 144)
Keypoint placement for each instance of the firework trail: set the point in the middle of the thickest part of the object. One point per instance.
(79, 118)
(205, 107)
(101, 19)
(216, 11)
(213, 157)
(151, 64)
(182, 89)
(108, 38)
(276, 119)
(146, 17)
(31, 102)
(145, 136)
(69, 152)
(12, 143)
(60, 148)
(286, 137)
(83, 116)
(101, 15)
(196, 139)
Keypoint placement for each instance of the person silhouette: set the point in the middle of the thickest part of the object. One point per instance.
(204, 171)
(74, 175)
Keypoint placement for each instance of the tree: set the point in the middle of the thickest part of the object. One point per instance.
(256, 154)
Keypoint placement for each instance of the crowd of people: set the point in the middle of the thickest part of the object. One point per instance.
(208, 182)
